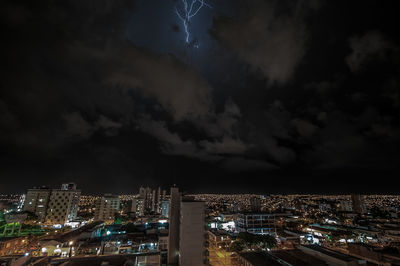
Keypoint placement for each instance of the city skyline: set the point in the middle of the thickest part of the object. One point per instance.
(219, 96)
(60, 226)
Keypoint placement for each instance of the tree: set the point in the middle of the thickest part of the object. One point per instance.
(251, 240)
(131, 228)
(266, 241)
(237, 246)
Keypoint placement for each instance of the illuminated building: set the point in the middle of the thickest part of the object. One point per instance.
(151, 199)
(106, 207)
(15, 246)
(63, 204)
(165, 208)
(53, 206)
(36, 201)
(138, 207)
(219, 238)
(148, 199)
(256, 223)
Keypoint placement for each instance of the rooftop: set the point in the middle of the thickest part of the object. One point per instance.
(259, 258)
(337, 255)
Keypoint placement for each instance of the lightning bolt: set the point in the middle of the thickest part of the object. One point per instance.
(188, 11)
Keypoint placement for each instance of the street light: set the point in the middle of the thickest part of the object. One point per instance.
(70, 243)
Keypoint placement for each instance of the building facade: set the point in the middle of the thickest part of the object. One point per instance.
(53, 206)
(256, 223)
(106, 207)
(358, 205)
(63, 204)
(192, 235)
(138, 207)
(37, 201)
(165, 208)
(174, 224)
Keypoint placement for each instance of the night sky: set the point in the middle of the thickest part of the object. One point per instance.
(267, 96)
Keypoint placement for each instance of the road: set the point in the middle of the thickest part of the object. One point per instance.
(220, 257)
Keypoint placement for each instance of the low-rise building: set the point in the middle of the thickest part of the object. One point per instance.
(257, 223)
(331, 257)
(15, 246)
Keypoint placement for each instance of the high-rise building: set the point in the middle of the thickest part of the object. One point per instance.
(345, 206)
(63, 204)
(165, 208)
(358, 203)
(21, 202)
(156, 204)
(53, 206)
(192, 233)
(148, 199)
(142, 192)
(138, 207)
(37, 201)
(186, 239)
(106, 207)
(174, 223)
(255, 204)
(152, 199)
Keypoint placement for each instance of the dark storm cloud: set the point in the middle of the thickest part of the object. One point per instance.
(96, 80)
(269, 39)
(179, 89)
(171, 142)
(48, 86)
(240, 164)
(220, 136)
(367, 47)
(91, 83)
(80, 100)
(77, 127)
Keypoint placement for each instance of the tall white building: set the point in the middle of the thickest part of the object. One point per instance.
(37, 201)
(138, 207)
(192, 233)
(63, 204)
(174, 224)
(186, 239)
(165, 208)
(53, 206)
(151, 199)
(106, 207)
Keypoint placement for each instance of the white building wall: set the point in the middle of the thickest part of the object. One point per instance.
(63, 206)
(106, 208)
(192, 233)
